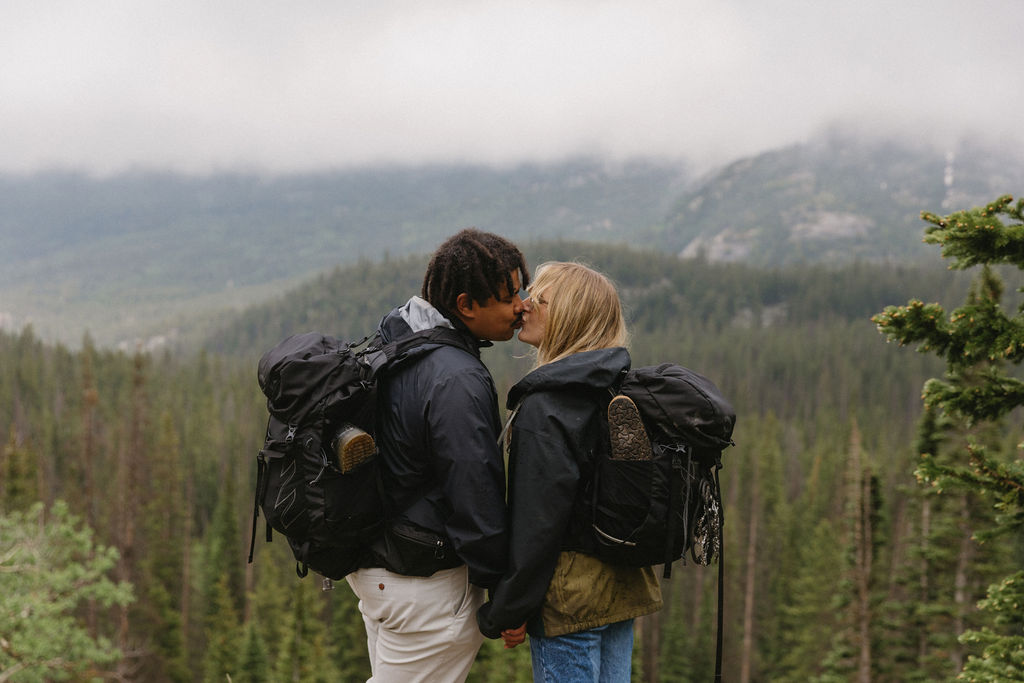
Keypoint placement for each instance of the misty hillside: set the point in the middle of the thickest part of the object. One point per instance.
(122, 256)
(836, 199)
(158, 255)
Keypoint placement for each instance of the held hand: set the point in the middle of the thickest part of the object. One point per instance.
(514, 636)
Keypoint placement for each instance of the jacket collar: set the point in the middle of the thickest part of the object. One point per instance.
(600, 369)
(416, 315)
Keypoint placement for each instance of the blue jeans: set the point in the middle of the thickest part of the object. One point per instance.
(600, 655)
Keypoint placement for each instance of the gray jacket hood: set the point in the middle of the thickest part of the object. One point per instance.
(415, 315)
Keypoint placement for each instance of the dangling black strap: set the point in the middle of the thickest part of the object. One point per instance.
(721, 577)
(689, 520)
(252, 541)
(677, 481)
(261, 467)
(301, 568)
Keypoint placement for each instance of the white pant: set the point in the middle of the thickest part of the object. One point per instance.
(419, 628)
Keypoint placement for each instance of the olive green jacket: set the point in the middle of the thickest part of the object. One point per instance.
(586, 593)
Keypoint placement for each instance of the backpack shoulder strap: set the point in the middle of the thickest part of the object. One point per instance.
(399, 350)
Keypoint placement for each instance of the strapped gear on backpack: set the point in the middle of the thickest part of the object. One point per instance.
(656, 497)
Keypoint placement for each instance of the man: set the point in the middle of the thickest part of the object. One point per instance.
(443, 473)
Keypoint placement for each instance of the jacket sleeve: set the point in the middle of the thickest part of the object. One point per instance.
(462, 419)
(544, 476)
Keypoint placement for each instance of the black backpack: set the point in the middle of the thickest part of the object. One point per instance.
(320, 392)
(654, 511)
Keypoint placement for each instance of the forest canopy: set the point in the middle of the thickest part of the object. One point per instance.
(823, 514)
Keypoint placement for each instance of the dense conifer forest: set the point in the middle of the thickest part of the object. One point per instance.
(831, 545)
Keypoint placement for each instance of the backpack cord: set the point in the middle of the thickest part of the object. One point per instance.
(508, 424)
(721, 578)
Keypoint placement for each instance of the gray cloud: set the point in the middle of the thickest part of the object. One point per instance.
(200, 86)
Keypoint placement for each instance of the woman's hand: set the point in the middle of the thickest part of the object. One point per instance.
(514, 636)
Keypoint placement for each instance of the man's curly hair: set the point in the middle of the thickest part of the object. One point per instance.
(475, 262)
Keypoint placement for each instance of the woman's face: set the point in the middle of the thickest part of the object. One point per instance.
(535, 320)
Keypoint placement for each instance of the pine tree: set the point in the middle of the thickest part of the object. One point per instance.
(130, 466)
(224, 557)
(977, 341)
(222, 634)
(18, 475)
(811, 601)
(675, 663)
(162, 541)
(346, 627)
(849, 656)
(49, 565)
(304, 656)
(88, 437)
(253, 665)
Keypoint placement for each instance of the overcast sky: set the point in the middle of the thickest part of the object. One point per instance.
(287, 85)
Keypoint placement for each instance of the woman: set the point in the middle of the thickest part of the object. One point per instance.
(578, 610)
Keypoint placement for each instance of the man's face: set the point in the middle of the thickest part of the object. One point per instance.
(497, 318)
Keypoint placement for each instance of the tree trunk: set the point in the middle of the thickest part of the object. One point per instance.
(862, 546)
(700, 579)
(866, 554)
(186, 557)
(90, 399)
(924, 583)
(129, 469)
(650, 637)
(961, 600)
(748, 601)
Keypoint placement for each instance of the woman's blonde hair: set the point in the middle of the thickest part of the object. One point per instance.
(583, 310)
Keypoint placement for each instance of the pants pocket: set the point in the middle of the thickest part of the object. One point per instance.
(468, 593)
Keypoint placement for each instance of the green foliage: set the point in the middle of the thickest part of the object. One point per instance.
(223, 634)
(979, 236)
(961, 436)
(18, 475)
(1002, 657)
(495, 664)
(50, 566)
(306, 655)
(792, 348)
(162, 538)
(816, 566)
(222, 563)
(253, 664)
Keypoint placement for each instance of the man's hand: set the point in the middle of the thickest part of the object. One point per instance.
(514, 636)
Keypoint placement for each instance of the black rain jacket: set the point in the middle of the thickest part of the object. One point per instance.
(556, 432)
(443, 474)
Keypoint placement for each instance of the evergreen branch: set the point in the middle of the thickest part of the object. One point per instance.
(977, 236)
(998, 476)
(915, 322)
(994, 397)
